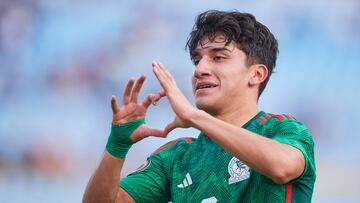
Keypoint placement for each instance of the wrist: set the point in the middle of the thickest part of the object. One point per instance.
(119, 141)
(197, 117)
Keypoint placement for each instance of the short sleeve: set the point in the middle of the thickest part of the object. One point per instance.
(149, 183)
(297, 135)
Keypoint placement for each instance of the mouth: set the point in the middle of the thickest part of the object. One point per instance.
(204, 86)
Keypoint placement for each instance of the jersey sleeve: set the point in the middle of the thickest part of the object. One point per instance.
(149, 182)
(297, 135)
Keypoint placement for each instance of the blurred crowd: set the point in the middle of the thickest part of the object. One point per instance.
(60, 61)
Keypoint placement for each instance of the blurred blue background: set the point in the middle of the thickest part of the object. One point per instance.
(60, 62)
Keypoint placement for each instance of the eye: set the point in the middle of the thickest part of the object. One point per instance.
(195, 61)
(218, 58)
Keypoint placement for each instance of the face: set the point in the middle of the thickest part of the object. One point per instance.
(221, 76)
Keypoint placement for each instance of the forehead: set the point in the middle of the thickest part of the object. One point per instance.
(214, 41)
(214, 38)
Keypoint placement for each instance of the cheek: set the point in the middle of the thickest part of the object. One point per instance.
(233, 83)
(193, 80)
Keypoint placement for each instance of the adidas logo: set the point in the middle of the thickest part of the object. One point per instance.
(186, 182)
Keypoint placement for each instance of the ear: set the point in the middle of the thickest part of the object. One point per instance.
(258, 73)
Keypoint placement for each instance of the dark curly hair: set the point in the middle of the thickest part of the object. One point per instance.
(252, 37)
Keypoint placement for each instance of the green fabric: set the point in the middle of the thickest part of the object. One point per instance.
(300, 138)
(199, 170)
(119, 141)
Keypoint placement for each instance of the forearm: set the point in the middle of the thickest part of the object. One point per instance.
(273, 159)
(103, 186)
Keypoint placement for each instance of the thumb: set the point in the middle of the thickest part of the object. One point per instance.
(171, 126)
(114, 104)
(155, 132)
(144, 131)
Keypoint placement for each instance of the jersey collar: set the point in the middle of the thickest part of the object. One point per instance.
(246, 125)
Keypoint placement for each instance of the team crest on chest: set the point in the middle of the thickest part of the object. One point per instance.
(238, 171)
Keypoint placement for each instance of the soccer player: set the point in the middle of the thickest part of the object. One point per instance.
(241, 155)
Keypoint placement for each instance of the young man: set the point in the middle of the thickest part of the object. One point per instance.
(241, 155)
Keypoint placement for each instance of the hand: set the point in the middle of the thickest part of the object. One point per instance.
(183, 109)
(132, 110)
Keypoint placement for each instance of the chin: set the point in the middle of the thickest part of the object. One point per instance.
(207, 107)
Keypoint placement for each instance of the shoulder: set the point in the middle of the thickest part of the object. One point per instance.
(277, 124)
(285, 126)
(182, 142)
(278, 120)
(265, 117)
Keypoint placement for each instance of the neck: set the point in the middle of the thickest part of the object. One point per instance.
(238, 114)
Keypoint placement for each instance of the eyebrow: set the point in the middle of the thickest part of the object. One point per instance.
(216, 49)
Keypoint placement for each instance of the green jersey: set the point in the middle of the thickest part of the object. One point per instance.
(199, 170)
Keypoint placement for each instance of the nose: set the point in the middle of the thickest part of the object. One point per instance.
(202, 69)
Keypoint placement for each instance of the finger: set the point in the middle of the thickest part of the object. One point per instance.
(156, 97)
(166, 75)
(155, 69)
(127, 92)
(153, 99)
(147, 101)
(162, 93)
(114, 106)
(160, 76)
(166, 71)
(137, 88)
(171, 126)
(162, 70)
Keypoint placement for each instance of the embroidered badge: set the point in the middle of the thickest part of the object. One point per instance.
(238, 171)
